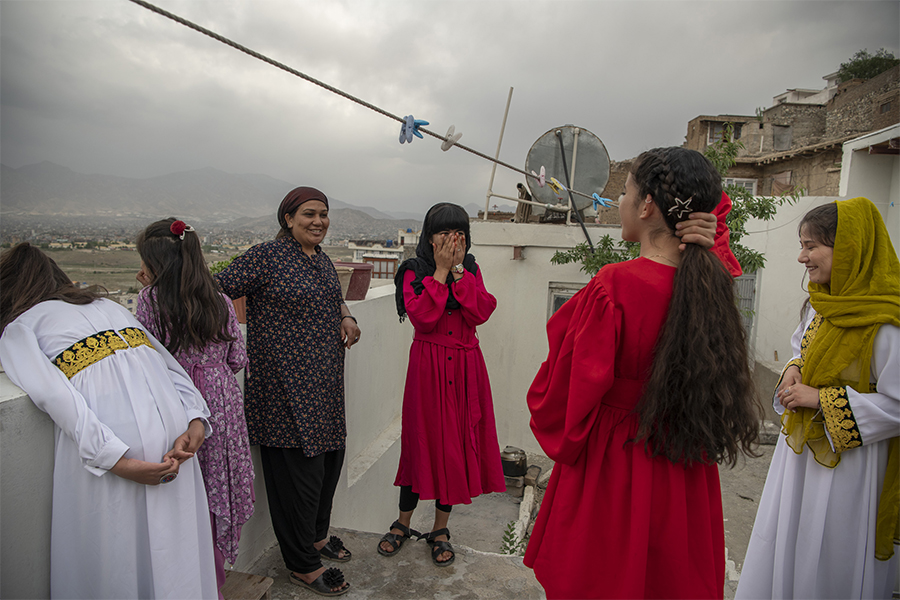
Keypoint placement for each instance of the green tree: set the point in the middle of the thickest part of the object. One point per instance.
(864, 65)
(605, 252)
(723, 155)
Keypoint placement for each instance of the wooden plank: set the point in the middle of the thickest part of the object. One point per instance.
(245, 586)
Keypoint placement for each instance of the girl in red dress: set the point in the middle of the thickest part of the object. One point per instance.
(646, 387)
(449, 450)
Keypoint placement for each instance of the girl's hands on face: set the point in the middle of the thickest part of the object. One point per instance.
(443, 250)
(460, 252)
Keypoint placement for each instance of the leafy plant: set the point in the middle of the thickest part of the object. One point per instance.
(864, 65)
(723, 155)
(511, 543)
(605, 252)
(221, 265)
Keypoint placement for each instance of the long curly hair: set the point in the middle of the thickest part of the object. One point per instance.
(28, 277)
(699, 403)
(190, 311)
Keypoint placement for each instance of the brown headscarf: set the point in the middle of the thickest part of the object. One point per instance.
(295, 198)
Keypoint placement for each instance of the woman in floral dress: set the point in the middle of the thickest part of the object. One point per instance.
(298, 329)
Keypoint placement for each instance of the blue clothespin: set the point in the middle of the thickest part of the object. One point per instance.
(604, 202)
(410, 128)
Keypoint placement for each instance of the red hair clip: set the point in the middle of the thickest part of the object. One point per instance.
(179, 227)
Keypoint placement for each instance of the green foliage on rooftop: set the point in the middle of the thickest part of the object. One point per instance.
(864, 65)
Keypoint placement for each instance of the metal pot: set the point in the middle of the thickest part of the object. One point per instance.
(514, 461)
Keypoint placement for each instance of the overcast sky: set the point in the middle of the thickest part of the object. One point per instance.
(109, 87)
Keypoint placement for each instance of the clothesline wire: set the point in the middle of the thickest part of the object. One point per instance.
(322, 84)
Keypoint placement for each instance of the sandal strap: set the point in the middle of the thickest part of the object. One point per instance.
(393, 539)
(335, 545)
(439, 548)
(433, 534)
(407, 531)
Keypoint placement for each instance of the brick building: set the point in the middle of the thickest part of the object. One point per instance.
(798, 141)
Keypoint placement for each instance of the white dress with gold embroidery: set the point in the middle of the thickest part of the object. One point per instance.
(814, 534)
(113, 538)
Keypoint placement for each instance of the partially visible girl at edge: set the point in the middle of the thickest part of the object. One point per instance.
(646, 387)
(827, 522)
(182, 307)
(448, 450)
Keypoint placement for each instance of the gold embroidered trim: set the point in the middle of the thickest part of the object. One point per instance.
(808, 337)
(839, 418)
(135, 337)
(93, 348)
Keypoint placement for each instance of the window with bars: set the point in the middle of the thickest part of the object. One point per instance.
(382, 268)
(748, 184)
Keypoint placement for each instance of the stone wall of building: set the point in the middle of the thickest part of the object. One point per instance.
(857, 108)
(797, 125)
(618, 173)
(818, 175)
(697, 133)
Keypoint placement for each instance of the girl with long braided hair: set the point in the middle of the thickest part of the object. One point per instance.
(646, 388)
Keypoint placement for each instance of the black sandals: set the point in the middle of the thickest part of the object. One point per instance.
(438, 548)
(396, 541)
(323, 584)
(332, 550)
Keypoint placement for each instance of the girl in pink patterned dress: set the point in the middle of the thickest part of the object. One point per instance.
(183, 308)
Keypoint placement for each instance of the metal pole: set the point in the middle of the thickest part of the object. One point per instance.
(487, 200)
(572, 176)
(562, 155)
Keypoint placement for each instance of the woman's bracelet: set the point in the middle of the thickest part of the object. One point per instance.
(349, 317)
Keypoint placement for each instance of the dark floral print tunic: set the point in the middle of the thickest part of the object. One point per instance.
(294, 388)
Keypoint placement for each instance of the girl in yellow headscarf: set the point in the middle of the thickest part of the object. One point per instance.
(828, 518)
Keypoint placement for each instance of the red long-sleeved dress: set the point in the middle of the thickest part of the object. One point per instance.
(615, 523)
(449, 449)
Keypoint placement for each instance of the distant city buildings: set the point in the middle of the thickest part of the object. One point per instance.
(385, 255)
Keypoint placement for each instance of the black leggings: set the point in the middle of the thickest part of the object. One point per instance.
(409, 500)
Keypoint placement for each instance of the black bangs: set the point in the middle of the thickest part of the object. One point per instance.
(445, 216)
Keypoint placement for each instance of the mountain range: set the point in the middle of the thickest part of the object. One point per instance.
(207, 196)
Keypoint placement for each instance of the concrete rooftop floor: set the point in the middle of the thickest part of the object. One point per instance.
(479, 571)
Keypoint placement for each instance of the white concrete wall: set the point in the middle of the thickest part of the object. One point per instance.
(780, 286)
(375, 375)
(26, 488)
(514, 340)
(874, 176)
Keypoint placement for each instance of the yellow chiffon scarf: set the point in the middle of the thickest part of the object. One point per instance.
(863, 294)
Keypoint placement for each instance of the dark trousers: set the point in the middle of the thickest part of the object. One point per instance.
(409, 500)
(300, 491)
